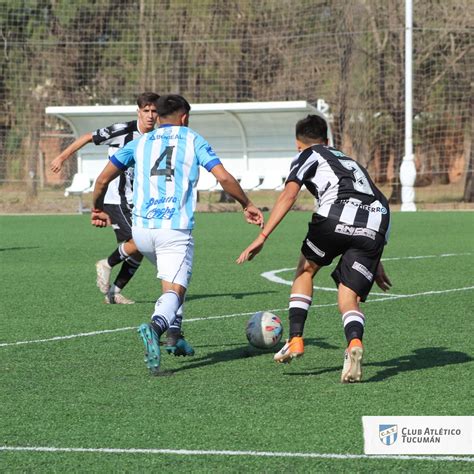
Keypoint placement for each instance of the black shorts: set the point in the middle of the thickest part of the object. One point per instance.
(360, 250)
(121, 217)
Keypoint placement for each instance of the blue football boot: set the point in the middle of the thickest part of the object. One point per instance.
(152, 347)
(177, 345)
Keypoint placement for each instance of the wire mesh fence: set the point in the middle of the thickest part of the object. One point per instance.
(350, 53)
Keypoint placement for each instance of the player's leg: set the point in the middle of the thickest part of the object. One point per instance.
(125, 254)
(131, 259)
(300, 301)
(353, 321)
(172, 253)
(354, 276)
(175, 265)
(164, 314)
(167, 306)
(176, 344)
(315, 253)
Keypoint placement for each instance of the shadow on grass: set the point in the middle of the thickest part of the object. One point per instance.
(242, 352)
(9, 249)
(420, 359)
(237, 296)
(424, 358)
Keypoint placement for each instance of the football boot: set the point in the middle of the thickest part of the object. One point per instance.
(152, 347)
(352, 368)
(293, 348)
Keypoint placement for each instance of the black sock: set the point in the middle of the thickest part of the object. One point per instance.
(354, 330)
(115, 258)
(353, 322)
(297, 320)
(299, 306)
(128, 269)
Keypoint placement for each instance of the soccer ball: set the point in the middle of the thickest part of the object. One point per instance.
(264, 330)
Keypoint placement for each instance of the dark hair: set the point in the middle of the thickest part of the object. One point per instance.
(312, 127)
(147, 98)
(171, 103)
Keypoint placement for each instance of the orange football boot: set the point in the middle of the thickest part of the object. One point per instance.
(293, 348)
(352, 369)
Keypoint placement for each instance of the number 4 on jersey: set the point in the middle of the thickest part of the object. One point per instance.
(167, 171)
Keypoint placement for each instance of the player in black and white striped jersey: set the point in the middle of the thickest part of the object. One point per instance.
(118, 199)
(352, 221)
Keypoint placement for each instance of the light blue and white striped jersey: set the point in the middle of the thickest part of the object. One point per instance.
(166, 163)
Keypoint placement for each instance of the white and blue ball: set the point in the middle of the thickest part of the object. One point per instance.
(264, 330)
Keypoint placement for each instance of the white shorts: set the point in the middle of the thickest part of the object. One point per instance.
(171, 251)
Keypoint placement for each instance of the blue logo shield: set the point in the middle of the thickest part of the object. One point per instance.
(388, 434)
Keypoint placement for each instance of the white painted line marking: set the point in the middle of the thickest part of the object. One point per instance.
(272, 276)
(225, 316)
(213, 452)
(72, 336)
(419, 257)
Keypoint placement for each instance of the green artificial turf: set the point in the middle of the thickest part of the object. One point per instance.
(94, 391)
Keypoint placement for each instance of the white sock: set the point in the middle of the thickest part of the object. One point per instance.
(165, 310)
(114, 289)
(179, 319)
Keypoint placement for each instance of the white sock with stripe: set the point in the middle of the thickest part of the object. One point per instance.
(354, 323)
(298, 312)
(166, 308)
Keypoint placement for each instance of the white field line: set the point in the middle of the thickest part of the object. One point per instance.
(272, 275)
(420, 257)
(213, 452)
(61, 338)
(226, 316)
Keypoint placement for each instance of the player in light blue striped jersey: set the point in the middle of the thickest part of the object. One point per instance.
(167, 163)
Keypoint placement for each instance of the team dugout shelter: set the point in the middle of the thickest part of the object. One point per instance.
(255, 141)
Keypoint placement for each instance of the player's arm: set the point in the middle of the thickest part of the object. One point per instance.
(207, 158)
(382, 279)
(77, 144)
(283, 204)
(123, 159)
(253, 215)
(98, 217)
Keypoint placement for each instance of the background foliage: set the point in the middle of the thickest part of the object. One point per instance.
(348, 52)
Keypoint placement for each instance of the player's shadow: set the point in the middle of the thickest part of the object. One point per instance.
(241, 352)
(9, 249)
(420, 359)
(237, 296)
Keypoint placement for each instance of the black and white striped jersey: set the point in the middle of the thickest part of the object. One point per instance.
(342, 187)
(120, 190)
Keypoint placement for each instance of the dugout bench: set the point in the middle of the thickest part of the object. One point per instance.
(255, 140)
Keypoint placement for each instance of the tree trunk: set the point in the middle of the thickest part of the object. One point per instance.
(143, 46)
(32, 144)
(383, 162)
(469, 186)
(398, 150)
(343, 86)
(244, 86)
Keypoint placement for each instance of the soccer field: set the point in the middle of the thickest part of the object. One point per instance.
(76, 396)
